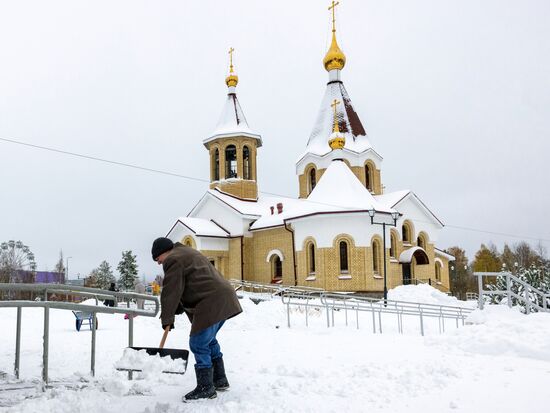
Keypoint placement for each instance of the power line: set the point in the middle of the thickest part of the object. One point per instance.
(95, 158)
(158, 171)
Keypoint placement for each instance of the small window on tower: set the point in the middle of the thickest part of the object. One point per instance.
(216, 165)
(246, 163)
(230, 162)
(312, 179)
(368, 177)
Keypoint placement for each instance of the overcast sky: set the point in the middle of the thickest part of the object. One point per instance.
(455, 95)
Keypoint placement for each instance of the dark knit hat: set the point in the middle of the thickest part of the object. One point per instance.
(160, 246)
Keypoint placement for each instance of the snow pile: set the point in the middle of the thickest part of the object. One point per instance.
(426, 294)
(273, 368)
(149, 364)
(501, 331)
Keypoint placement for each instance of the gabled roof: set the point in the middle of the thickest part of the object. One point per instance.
(232, 122)
(203, 227)
(393, 199)
(348, 121)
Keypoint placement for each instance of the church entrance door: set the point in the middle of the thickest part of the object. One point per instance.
(406, 273)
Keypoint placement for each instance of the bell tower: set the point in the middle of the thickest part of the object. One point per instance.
(233, 146)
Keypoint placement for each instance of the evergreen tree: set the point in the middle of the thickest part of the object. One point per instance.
(128, 269)
(103, 276)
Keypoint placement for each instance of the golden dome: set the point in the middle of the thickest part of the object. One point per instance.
(232, 79)
(337, 141)
(335, 58)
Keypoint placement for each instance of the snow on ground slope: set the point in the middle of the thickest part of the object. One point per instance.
(499, 361)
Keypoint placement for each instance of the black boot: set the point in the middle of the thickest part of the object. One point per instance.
(220, 381)
(205, 387)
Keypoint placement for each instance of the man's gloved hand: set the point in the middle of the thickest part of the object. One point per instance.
(166, 325)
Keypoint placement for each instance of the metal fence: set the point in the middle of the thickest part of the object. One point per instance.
(44, 291)
(531, 298)
(353, 305)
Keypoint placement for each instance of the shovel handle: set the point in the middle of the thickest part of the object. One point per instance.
(166, 330)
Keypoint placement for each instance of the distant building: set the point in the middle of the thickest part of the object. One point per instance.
(77, 283)
(49, 277)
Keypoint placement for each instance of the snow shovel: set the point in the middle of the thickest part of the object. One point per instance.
(174, 354)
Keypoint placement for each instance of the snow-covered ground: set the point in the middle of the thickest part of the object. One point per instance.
(498, 362)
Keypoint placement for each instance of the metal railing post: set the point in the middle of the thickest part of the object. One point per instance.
(421, 322)
(480, 288)
(45, 353)
(130, 340)
(288, 313)
(509, 289)
(18, 343)
(94, 326)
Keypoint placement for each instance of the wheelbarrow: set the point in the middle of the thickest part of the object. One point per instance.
(174, 354)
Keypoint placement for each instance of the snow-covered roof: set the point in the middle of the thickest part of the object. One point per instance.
(340, 187)
(203, 227)
(393, 199)
(232, 122)
(348, 121)
(338, 191)
(444, 254)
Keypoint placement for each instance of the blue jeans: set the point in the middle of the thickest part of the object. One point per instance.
(205, 347)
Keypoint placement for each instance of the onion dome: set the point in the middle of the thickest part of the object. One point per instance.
(335, 59)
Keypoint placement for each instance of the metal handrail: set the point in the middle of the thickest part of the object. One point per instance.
(337, 302)
(510, 279)
(46, 289)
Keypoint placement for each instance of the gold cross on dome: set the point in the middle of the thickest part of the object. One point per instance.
(231, 50)
(333, 8)
(334, 104)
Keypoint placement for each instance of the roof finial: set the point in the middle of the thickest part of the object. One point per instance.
(337, 140)
(335, 58)
(334, 104)
(232, 79)
(333, 7)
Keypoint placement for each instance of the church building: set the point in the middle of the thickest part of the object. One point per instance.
(342, 233)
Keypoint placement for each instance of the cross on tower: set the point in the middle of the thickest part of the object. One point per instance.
(334, 104)
(333, 8)
(231, 50)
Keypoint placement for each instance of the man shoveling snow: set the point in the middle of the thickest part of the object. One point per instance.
(192, 285)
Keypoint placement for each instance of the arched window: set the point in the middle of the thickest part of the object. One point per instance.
(311, 257)
(247, 171)
(188, 241)
(438, 271)
(312, 179)
(375, 257)
(369, 177)
(421, 241)
(216, 165)
(230, 162)
(344, 262)
(276, 267)
(406, 229)
(393, 245)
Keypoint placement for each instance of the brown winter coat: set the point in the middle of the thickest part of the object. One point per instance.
(191, 283)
